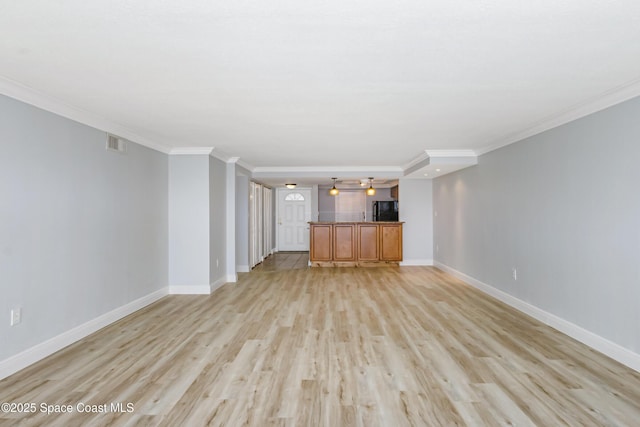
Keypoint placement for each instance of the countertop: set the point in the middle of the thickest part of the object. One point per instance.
(356, 222)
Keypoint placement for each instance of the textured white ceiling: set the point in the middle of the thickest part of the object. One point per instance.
(341, 83)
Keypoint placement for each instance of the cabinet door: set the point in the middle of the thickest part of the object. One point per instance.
(367, 242)
(320, 245)
(391, 242)
(394, 192)
(344, 242)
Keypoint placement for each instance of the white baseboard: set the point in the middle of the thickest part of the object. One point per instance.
(231, 278)
(408, 262)
(190, 290)
(50, 346)
(603, 345)
(242, 268)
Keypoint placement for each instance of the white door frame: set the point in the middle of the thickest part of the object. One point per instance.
(279, 191)
(267, 221)
(255, 217)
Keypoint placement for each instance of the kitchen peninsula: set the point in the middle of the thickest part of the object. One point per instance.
(355, 244)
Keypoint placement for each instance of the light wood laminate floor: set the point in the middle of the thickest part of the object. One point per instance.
(407, 346)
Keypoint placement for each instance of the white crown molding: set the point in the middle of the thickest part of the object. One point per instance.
(437, 162)
(422, 161)
(182, 151)
(451, 153)
(321, 173)
(592, 105)
(245, 165)
(325, 169)
(419, 159)
(464, 158)
(31, 96)
(221, 155)
(432, 159)
(227, 158)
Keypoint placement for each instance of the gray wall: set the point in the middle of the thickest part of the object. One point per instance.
(315, 214)
(217, 221)
(415, 209)
(189, 220)
(83, 231)
(242, 223)
(326, 205)
(563, 208)
(197, 222)
(230, 215)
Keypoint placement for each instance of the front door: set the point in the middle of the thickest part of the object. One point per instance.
(294, 214)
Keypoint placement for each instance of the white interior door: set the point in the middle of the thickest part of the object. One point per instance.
(294, 214)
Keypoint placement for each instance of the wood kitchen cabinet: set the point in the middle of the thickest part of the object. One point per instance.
(390, 242)
(320, 242)
(393, 192)
(344, 242)
(368, 242)
(355, 243)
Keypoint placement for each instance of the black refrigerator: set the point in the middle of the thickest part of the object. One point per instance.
(385, 211)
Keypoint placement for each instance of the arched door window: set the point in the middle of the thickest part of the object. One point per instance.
(294, 197)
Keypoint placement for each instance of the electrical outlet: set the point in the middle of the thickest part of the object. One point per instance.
(437, 248)
(217, 262)
(16, 316)
(515, 273)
